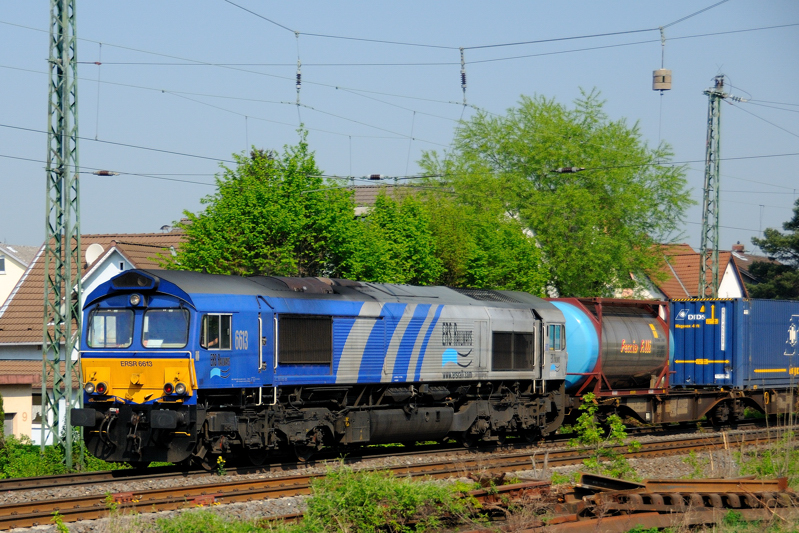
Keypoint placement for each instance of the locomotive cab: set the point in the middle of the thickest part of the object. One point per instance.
(139, 377)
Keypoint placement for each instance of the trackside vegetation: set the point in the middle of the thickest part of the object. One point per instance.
(19, 457)
(343, 500)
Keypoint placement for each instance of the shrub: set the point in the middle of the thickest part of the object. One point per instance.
(204, 521)
(368, 502)
(604, 458)
(21, 458)
(780, 459)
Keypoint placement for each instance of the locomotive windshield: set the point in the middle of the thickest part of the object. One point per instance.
(110, 328)
(165, 328)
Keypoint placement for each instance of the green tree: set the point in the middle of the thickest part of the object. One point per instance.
(392, 244)
(271, 214)
(482, 247)
(595, 226)
(778, 280)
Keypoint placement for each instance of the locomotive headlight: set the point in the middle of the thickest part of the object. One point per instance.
(180, 388)
(101, 388)
(89, 388)
(169, 388)
(135, 299)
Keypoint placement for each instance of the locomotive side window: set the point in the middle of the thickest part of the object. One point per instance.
(215, 332)
(512, 351)
(110, 328)
(305, 340)
(165, 328)
(557, 336)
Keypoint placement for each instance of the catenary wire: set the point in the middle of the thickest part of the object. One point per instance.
(170, 152)
(763, 119)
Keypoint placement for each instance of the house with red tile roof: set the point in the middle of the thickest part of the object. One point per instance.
(680, 271)
(22, 316)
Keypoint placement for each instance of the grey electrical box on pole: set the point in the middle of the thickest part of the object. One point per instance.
(62, 284)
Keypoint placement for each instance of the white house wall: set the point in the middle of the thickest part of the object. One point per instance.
(10, 276)
(104, 270)
(730, 285)
(17, 404)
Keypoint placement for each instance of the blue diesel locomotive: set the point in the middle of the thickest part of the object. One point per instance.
(181, 366)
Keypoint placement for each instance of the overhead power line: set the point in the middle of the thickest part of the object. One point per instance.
(789, 132)
(170, 152)
(473, 47)
(421, 45)
(694, 14)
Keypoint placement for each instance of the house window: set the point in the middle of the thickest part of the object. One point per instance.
(8, 424)
(2, 264)
(215, 332)
(512, 351)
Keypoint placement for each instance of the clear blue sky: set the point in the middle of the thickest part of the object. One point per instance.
(206, 78)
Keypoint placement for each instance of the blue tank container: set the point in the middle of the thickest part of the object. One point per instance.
(628, 346)
(749, 344)
(582, 343)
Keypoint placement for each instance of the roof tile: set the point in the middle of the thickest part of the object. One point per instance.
(21, 318)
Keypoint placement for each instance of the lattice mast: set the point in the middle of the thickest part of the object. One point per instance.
(62, 287)
(709, 246)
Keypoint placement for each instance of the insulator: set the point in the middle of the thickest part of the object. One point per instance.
(463, 79)
(299, 80)
(661, 80)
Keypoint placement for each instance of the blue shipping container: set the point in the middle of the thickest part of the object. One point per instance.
(749, 344)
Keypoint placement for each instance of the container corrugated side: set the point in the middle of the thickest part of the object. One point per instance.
(772, 358)
(708, 342)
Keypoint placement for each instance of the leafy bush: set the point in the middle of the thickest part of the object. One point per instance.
(780, 459)
(21, 458)
(603, 457)
(371, 502)
(204, 521)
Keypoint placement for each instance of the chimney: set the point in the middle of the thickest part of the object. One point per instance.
(738, 247)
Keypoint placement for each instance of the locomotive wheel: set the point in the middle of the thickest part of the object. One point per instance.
(303, 452)
(502, 438)
(468, 440)
(257, 456)
(532, 434)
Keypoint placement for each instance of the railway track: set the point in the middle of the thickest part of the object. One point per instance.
(170, 472)
(33, 513)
